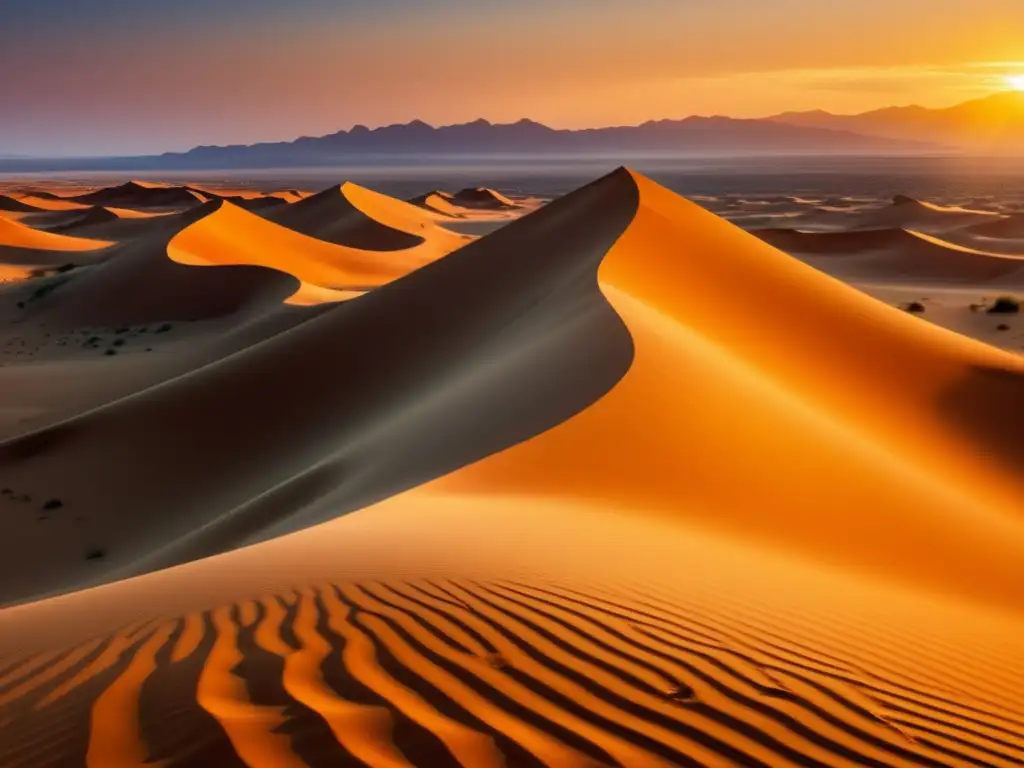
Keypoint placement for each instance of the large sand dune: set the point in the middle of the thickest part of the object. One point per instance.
(633, 488)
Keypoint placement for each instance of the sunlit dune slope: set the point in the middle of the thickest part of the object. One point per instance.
(493, 632)
(50, 202)
(438, 202)
(695, 504)
(356, 217)
(14, 234)
(810, 413)
(897, 254)
(24, 251)
(14, 205)
(235, 236)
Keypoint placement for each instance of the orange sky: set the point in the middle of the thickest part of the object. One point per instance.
(119, 76)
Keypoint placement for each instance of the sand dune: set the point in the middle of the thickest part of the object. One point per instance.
(239, 237)
(619, 504)
(143, 281)
(482, 197)
(140, 194)
(50, 203)
(17, 236)
(108, 223)
(851, 216)
(894, 254)
(15, 205)
(908, 213)
(439, 202)
(356, 217)
(1008, 228)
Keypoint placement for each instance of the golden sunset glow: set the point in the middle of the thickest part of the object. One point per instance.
(1016, 82)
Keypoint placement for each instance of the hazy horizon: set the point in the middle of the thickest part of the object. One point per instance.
(117, 78)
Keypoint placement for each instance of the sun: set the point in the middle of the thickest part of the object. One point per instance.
(1015, 81)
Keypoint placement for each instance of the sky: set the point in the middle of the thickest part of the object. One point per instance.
(119, 77)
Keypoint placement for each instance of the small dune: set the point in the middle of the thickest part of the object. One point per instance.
(357, 217)
(438, 202)
(482, 197)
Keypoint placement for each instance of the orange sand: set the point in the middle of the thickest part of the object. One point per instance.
(787, 531)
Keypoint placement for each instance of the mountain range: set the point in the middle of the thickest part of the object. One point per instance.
(692, 135)
(991, 124)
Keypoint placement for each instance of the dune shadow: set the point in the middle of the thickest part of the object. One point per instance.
(988, 407)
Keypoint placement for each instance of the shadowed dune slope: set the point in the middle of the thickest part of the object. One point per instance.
(511, 335)
(117, 224)
(1008, 228)
(14, 205)
(140, 194)
(482, 197)
(356, 217)
(751, 517)
(140, 282)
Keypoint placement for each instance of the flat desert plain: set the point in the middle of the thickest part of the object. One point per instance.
(295, 479)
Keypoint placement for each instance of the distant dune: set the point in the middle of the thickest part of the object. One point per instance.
(900, 254)
(438, 201)
(14, 205)
(481, 197)
(13, 234)
(616, 484)
(353, 216)
(138, 194)
(1010, 228)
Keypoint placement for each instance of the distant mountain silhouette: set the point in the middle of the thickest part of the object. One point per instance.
(992, 123)
(692, 135)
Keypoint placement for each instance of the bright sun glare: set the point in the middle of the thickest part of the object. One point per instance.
(1016, 82)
